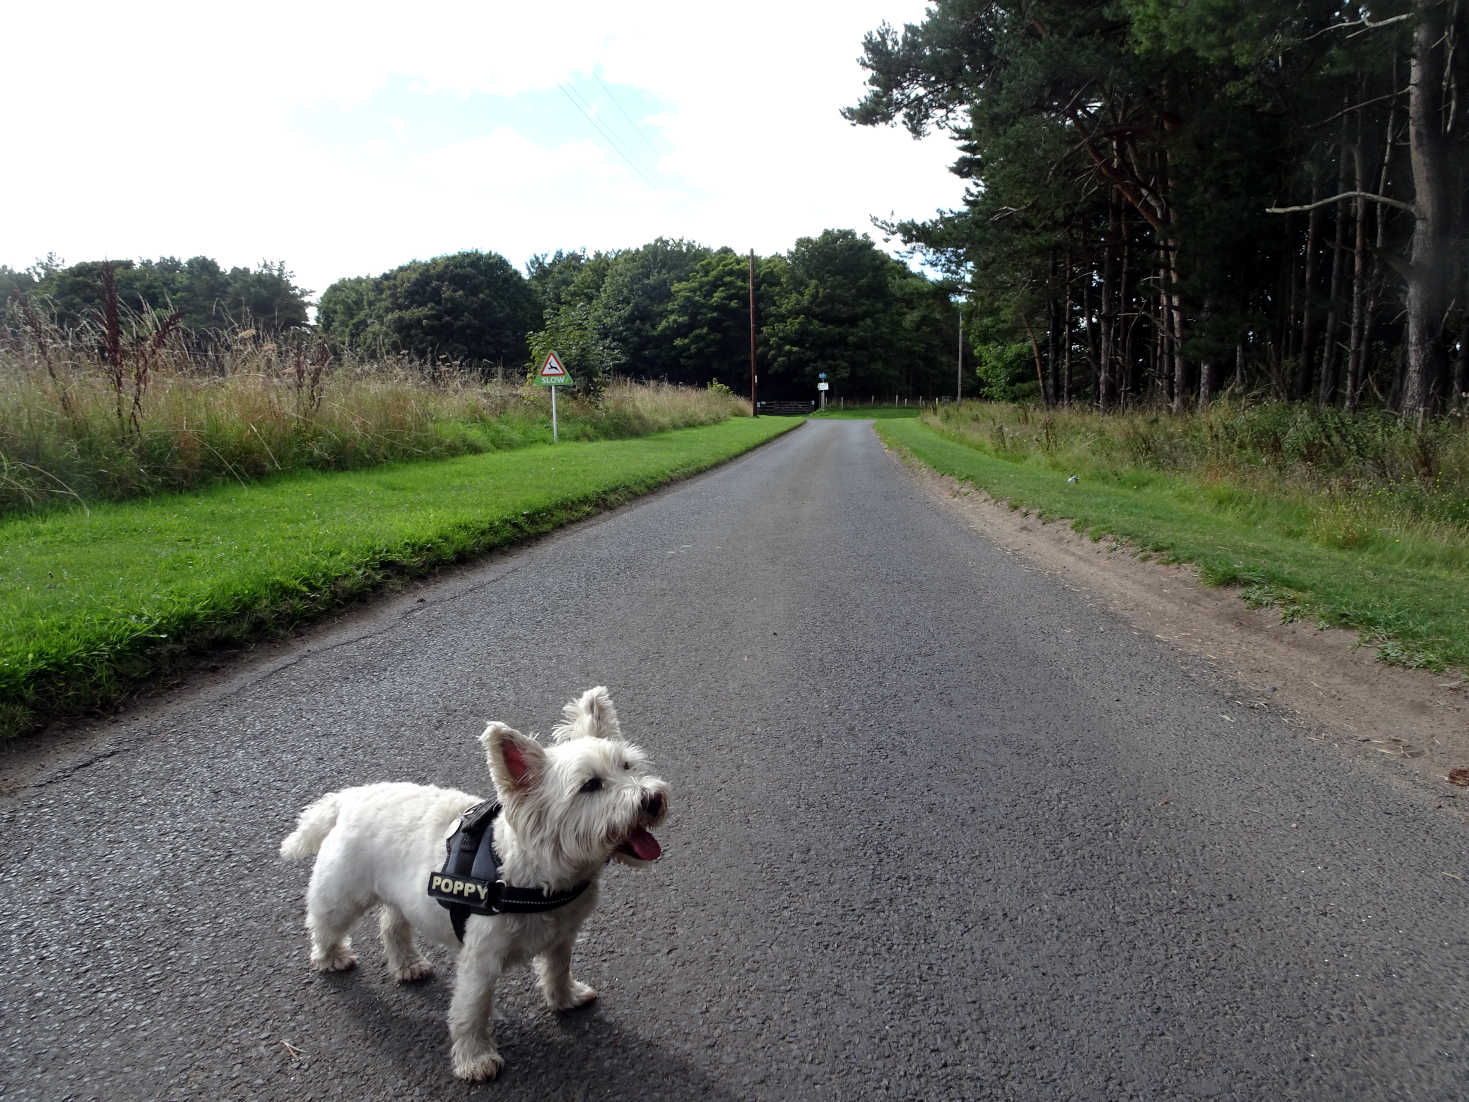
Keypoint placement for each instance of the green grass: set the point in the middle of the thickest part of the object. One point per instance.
(61, 442)
(95, 604)
(1404, 586)
(876, 413)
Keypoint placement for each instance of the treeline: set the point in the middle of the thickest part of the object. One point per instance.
(670, 310)
(1167, 199)
(206, 297)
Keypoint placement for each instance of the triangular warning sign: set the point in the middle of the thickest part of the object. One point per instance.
(552, 368)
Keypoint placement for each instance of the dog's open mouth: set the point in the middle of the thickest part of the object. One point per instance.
(641, 845)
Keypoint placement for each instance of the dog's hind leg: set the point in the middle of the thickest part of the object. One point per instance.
(334, 901)
(404, 961)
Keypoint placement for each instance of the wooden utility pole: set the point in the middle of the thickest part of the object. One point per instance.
(959, 371)
(754, 406)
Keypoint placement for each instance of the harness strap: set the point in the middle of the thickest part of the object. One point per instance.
(470, 883)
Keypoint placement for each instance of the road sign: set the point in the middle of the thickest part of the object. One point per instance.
(823, 386)
(552, 373)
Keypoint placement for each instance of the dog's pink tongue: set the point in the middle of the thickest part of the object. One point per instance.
(644, 845)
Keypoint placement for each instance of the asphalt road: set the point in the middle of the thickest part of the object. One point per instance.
(939, 830)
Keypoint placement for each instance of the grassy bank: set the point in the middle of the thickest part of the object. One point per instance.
(76, 427)
(96, 603)
(1369, 533)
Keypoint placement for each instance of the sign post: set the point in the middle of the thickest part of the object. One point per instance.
(823, 387)
(552, 374)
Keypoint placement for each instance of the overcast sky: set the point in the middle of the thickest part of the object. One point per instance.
(346, 139)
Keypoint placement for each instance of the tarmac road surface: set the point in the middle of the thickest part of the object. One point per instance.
(939, 830)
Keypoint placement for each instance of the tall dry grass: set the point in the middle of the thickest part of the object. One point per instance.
(1368, 475)
(133, 406)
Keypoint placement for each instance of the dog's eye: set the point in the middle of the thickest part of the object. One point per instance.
(627, 765)
(593, 785)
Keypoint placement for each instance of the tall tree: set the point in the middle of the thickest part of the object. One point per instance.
(633, 299)
(469, 306)
(840, 316)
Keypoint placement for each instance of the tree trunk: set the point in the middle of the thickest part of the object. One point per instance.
(1174, 322)
(1427, 271)
(1127, 383)
(1380, 216)
(1289, 293)
(1162, 369)
(1206, 367)
(1356, 350)
(1172, 300)
(1066, 332)
(1326, 379)
(1110, 321)
(1053, 327)
(1302, 385)
(1461, 365)
(1093, 338)
(1036, 349)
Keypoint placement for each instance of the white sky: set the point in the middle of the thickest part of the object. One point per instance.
(346, 139)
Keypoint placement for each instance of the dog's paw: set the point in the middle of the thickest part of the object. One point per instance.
(477, 1065)
(579, 994)
(413, 971)
(340, 959)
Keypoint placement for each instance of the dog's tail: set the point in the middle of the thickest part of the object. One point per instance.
(312, 827)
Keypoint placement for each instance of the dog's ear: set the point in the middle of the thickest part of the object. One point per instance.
(517, 762)
(590, 715)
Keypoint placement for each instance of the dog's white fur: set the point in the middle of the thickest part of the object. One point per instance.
(377, 844)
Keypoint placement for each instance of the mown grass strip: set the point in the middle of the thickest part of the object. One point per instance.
(874, 413)
(95, 604)
(1416, 612)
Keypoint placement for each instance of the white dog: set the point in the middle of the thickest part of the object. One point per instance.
(564, 811)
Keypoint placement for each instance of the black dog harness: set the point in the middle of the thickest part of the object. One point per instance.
(470, 884)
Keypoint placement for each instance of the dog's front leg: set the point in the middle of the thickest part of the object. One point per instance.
(471, 1026)
(553, 967)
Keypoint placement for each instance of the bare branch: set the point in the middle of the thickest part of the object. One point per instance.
(1363, 24)
(1358, 107)
(1344, 195)
(1006, 212)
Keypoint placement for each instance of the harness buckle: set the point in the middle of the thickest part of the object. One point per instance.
(492, 904)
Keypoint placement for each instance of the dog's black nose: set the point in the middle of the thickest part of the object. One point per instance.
(653, 805)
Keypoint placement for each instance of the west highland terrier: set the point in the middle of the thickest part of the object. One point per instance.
(561, 813)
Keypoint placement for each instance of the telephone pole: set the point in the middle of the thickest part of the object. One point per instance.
(754, 406)
(959, 372)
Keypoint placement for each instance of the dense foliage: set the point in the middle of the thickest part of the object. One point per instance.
(1169, 198)
(470, 308)
(206, 296)
(676, 311)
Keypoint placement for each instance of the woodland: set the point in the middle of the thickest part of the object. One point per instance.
(1168, 199)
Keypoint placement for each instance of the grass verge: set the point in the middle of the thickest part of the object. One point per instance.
(96, 604)
(1408, 597)
(876, 413)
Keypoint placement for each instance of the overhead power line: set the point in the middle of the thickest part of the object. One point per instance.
(637, 128)
(605, 133)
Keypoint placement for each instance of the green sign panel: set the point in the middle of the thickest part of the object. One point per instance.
(552, 373)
